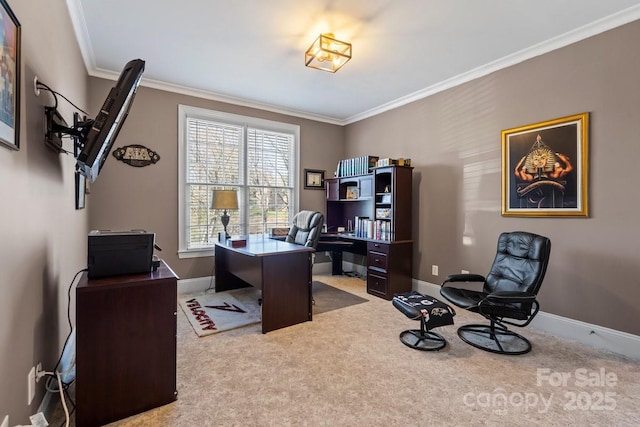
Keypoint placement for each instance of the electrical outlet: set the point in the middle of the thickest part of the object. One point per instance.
(36, 89)
(465, 271)
(5, 422)
(31, 385)
(434, 270)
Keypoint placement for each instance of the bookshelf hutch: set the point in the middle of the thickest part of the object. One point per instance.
(374, 211)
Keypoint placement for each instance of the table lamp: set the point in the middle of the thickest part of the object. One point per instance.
(225, 199)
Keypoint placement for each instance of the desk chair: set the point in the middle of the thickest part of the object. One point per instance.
(509, 292)
(305, 231)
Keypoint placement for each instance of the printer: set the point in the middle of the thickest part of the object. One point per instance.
(115, 253)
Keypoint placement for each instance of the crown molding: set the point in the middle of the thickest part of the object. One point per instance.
(76, 13)
(605, 24)
(610, 22)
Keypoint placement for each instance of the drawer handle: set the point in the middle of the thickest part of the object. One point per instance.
(377, 245)
(377, 260)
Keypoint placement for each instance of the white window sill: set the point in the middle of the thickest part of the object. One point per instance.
(195, 253)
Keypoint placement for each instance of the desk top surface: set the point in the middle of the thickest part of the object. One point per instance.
(261, 245)
(163, 272)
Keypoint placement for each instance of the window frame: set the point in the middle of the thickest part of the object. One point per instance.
(185, 112)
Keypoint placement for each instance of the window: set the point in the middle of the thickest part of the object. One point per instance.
(257, 158)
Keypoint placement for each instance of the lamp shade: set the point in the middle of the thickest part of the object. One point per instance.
(224, 199)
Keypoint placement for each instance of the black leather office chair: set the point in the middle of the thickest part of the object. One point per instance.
(306, 228)
(509, 292)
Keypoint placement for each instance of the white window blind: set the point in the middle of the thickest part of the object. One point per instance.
(255, 157)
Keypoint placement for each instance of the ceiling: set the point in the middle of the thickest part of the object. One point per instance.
(251, 52)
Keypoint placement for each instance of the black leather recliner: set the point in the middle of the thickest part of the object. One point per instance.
(509, 292)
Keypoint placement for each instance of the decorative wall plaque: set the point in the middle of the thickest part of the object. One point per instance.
(136, 155)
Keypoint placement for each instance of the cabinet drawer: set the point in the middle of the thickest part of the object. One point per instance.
(378, 247)
(376, 284)
(377, 260)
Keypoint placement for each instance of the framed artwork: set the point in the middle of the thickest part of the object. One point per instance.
(313, 179)
(545, 168)
(9, 78)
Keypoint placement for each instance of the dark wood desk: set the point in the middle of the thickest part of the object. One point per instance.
(126, 345)
(281, 270)
(389, 263)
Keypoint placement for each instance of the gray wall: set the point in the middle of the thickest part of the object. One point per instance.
(126, 197)
(42, 236)
(454, 140)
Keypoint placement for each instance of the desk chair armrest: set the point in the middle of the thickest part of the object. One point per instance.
(510, 297)
(463, 278)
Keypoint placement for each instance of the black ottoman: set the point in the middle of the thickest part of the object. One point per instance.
(431, 312)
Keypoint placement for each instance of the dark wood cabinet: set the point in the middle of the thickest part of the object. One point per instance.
(333, 188)
(389, 268)
(383, 205)
(126, 345)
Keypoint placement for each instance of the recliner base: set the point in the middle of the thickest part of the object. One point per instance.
(422, 340)
(494, 339)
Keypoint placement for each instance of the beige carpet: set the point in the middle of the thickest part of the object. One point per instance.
(348, 368)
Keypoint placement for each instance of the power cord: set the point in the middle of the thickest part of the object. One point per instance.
(64, 404)
(211, 280)
(56, 374)
(55, 97)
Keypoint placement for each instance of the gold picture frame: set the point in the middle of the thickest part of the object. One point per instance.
(545, 168)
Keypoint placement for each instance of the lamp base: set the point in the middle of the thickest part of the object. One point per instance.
(225, 221)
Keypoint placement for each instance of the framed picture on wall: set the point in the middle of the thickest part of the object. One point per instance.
(313, 179)
(9, 78)
(545, 168)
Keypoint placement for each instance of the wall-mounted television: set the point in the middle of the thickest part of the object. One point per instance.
(95, 137)
(105, 128)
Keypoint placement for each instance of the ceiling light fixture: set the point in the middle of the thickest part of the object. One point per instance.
(327, 53)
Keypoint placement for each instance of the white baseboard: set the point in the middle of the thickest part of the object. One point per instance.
(197, 284)
(622, 343)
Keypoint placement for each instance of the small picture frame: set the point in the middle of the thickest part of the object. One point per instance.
(313, 179)
(352, 193)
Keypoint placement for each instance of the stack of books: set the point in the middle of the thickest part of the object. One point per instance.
(356, 166)
(370, 229)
